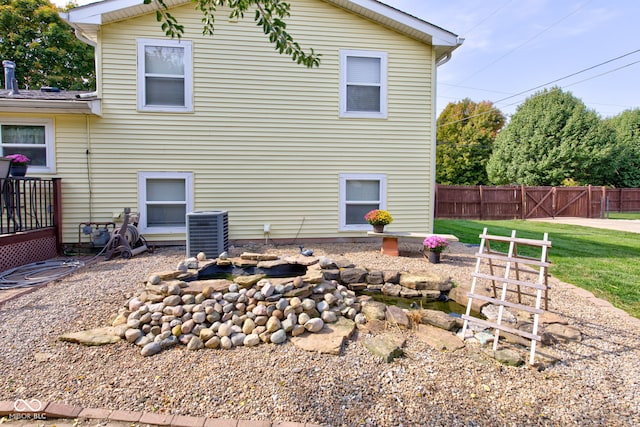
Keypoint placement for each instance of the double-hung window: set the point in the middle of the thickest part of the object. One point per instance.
(164, 200)
(360, 193)
(33, 138)
(363, 84)
(165, 75)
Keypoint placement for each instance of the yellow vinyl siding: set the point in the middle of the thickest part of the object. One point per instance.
(265, 140)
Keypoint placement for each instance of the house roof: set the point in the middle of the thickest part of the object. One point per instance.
(87, 20)
(38, 101)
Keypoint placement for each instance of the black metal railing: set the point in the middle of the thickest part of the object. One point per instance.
(27, 204)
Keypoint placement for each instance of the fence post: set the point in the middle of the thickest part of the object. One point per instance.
(481, 203)
(57, 212)
(523, 207)
(589, 201)
(553, 202)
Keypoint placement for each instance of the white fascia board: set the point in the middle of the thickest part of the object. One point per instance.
(49, 106)
(92, 13)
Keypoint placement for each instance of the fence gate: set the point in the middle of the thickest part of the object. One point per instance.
(511, 262)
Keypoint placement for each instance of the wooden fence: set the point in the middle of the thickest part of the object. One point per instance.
(520, 202)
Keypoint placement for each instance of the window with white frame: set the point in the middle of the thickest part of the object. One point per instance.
(363, 84)
(360, 193)
(164, 200)
(33, 138)
(165, 75)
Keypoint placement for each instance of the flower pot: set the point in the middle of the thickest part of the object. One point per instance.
(378, 228)
(434, 257)
(18, 170)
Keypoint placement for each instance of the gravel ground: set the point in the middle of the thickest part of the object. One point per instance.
(597, 381)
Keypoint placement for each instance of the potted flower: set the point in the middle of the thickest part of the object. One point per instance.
(434, 245)
(19, 163)
(378, 218)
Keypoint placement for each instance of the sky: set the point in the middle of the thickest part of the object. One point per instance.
(515, 48)
(512, 46)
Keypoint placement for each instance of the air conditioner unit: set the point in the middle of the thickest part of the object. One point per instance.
(208, 232)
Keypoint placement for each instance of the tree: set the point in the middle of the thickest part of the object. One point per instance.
(44, 47)
(465, 134)
(626, 127)
(551, 138)
(268, 14)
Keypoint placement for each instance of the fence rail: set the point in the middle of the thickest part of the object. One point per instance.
(509, 202)
(27, 204)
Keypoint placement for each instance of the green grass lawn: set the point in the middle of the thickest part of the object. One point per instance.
(605, 262)
(623, 215)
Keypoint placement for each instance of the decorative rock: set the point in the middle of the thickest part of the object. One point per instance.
(425, 280)
(308, 304)
(224, 330)
(237, 339)
(195, 344)
(273, 324)
(248, 326)
(507, 356)
(282, 304)
(172, 300)
(97, 336)
(329, 316)
(360, 319)
(278, 337)
(246, 281)
(330, 340)
(563, 332)
(314, 325)
(199, 317)
(225, 342)
(438, 338)
(396, 316)
(213, 342)
(297, 330)
(132, 335)
(154, 279)
(260, 310)
(322, 306)
(374, 310)
(353, 275)
(385, 346)
(251, 340)
(151, 349)
(201, 256)
(439, 319)
(206, 334)
(187, 326)
(490, 311)
(303, 318)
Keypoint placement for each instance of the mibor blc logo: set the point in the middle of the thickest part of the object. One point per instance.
(28, 409)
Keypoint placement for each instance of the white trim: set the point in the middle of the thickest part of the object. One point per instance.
(342, 211)
(344, 54)
(142, 200)
(48, 142)
(188, 75)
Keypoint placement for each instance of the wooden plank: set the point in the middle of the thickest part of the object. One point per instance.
(492, 325)
(517, 306)
(506, 258)
(518, 240)
(397, 234)
(502, 279)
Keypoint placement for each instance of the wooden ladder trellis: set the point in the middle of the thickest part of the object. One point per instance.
(511, 261)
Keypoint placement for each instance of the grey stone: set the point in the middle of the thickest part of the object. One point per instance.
(396, 316)
(151, 349)
(425, 280)
(237, 339)
(195, 343)
(172, 300)
(353, 275)
(385, 346)
(314, 325)
(278, 337)
(439, 319)
(329, 340)
(438, 338)
(132, 335)
(374, 310)
(251, 340)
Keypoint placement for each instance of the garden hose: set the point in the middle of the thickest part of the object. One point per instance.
(37, 273)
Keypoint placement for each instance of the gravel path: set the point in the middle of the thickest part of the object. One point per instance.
(596, 383)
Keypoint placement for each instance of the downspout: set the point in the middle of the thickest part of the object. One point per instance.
(88, 159)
